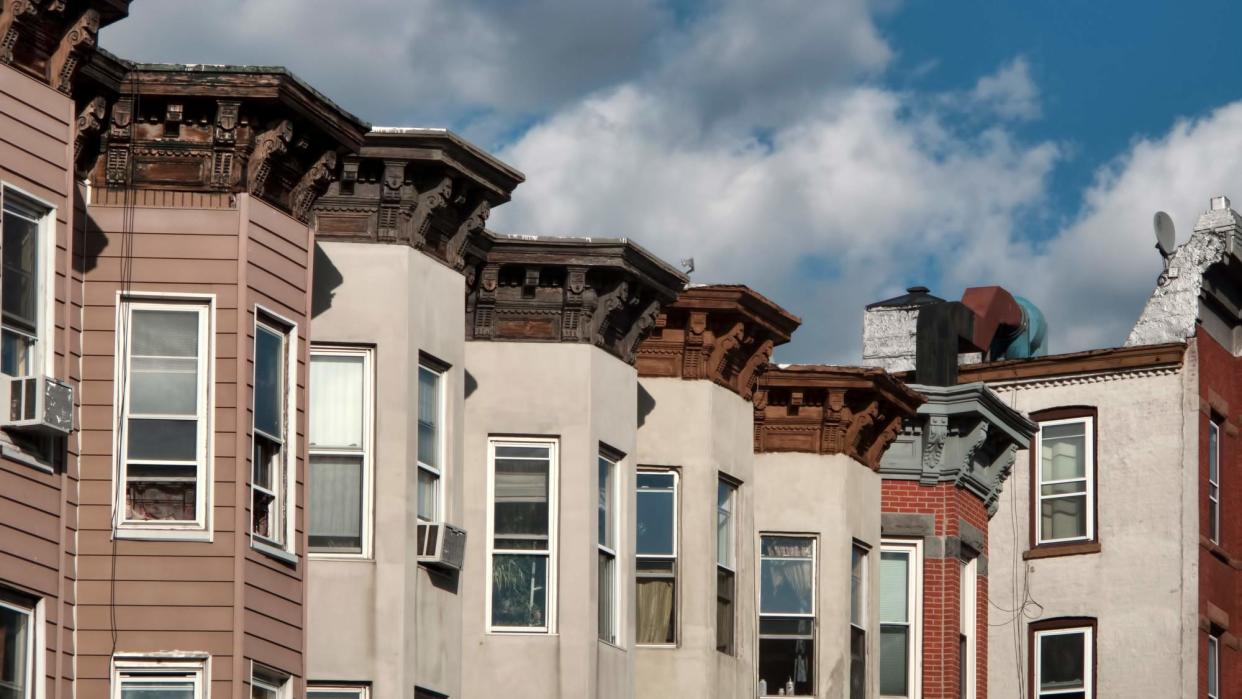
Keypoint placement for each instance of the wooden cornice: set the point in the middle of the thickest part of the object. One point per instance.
(719, 333)
(604, 291)
(818, 409)
(1071, 364)
(427, 188)
(49, 39)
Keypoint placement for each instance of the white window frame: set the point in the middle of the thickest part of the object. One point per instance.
(275, 681)
(366, 453)
(864, 604)
(913, 549)
(813, 615)
(1213, 667)
(1088, 669)
(731, 566)
(45, 351)
(613, 522)
(553, 444)
(157, 667)
(360, 691)
(1088, 475)
(671, 558)
(440, 370)
(288, 454)
(1213, 480)
(968, 624)
(201, 528)
(32, 608)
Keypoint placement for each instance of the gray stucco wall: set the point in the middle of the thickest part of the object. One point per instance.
(386, 619)
(582, 396)
(838, 500)
(703, 430)
(1142, 585)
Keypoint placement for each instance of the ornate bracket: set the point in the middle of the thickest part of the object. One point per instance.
(79, 38)
(14, 11)
(89, 123)
(473, 223)
(429, 202)
(268, 146)
(312, 185)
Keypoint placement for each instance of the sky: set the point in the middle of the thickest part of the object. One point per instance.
(827, 153)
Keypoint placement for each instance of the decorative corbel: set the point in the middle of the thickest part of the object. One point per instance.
(55, 6)
(89, 123)
(1006, 461)
(723, 345)
(116, 165)
(312, 185)
(485, 301)
(389, 223)
(935, 436)
(607, 305)
(858, 424)
(267, 147)
(80, 38)
(571, 316)
(692, 359)
(638, 330)
(429, 202)
(473, 223)
(876, 450)
(224, 143)
(748, 377)
(13, 12)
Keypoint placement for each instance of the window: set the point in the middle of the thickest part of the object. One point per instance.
(1213, 667)
(901, 596)
(1064, 479)
(337, 691)
(271, 477)
(1063, 659)
(787, 616)
(522, 535)
(656, 545)
(1213, 489)
(607, 597)
(858, 622)
(967, 628)
(726, 570)
(18, 651)
(340, 443)
(266, 684)
(21, 294)
(430, 439)
(159, 678)
(163, 435)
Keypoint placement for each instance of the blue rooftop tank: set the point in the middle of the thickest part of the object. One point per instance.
(1027, 340)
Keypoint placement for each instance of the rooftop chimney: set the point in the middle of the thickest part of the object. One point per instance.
(1220, 203)
(890, 327)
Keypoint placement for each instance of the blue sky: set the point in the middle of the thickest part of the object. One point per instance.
(827, 152)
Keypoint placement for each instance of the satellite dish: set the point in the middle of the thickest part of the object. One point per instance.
(1166, 236)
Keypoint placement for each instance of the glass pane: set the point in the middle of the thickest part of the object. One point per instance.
(523, 452)
(428, 416)
(858, 663)
(787, 627)
(787, 666)
(428, 495)
(519, 590)
(336, 503)
(788, 547)
(788, 587)
(894, 586)
(894, 660)
(1064, 518)
(606, 468)
(1061, 661)
(147, 500)
(158, 690)
(521, 497)
(724, 523)
(1213, 673)
(648, 480)
(17, 353)
(1213, 453)
(724, 611)
(655, 522)
(163, 385)
(1067, 488)
(163, 440)
(269, 385)
(857, 609)
(258, 691)
(164, 333)
(606, 598)
(21, 286)
(657, 602)
(336, 400)
(14, 652)
(1063, 451)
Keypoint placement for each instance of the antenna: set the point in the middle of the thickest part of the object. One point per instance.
(1166, 236)
(687, 263)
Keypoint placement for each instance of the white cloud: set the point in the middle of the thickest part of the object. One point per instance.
(1009, 92)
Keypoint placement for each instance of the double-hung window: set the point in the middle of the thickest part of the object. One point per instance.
(1213, 667)
(787, 616)
(726, 567)
(338, 691)
(272, 480)
(22, 308)
(1063, 657)
(522, 535)
(1213, 489)
(1065, 480)
(967, 628)
(656, 544)
(18, 650)
(858, 622)
(269, 684)
(340, 450)
(901, 573)
(430, 439)
(159, 678)
(163, 434)
(607, 583)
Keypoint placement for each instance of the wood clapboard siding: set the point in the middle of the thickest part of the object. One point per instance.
(36, 523)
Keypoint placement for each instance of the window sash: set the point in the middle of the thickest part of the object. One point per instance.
(911, 622)
(1087, 479)
(669, 575)
(1213, 667)
(138, 672)
(277, 483)
(1213, 480)
(25, 655)
(726, 524)
(26, 327)
(433, 458)
(338, 691)
(543, 451)
(1087, 688)
(607, 540)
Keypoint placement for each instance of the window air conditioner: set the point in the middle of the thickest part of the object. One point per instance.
(37, 404)
(441, 545)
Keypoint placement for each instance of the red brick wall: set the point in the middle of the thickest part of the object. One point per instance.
(1219, 583)
(942, 583)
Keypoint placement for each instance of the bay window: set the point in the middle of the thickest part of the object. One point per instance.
(656, 545)
(25, 225)
(1064, 480)
(607, 582)
(1063, 657)
(340, 495)
(163, 435)
(18, 652)
(787, 616)
(726, 567)
(901, 573)
(430, 439)
(272, 480)
(522, 535)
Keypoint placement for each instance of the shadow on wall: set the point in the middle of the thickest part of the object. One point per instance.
(646, 403)
(327, 279)
(471, 383)
(89, 241)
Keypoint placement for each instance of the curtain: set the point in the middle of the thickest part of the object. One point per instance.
(655, 611)
(335, 496)
(894, 586)
(428, 417)
(336, 401)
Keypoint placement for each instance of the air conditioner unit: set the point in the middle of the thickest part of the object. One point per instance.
(441, 545)
(38, 404)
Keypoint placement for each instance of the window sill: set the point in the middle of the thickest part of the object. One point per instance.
(610, 644)
(133, 533)
(1078, 548)
(273, 551)
(352, 557)
(657, 646)
(16, 454)
(1220, 553)
(520, 632)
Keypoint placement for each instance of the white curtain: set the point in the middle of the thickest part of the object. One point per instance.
(336, 401)
(894, 587)
(655, 611)
(336, 496)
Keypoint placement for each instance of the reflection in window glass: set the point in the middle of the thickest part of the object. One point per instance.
(339, 396)
(726, 502)
(787, 616)
(521, 544)
(657, 557)
(1065, 456)
(1063, 663)
(16, 649)
(19, 285)
(430, 442)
